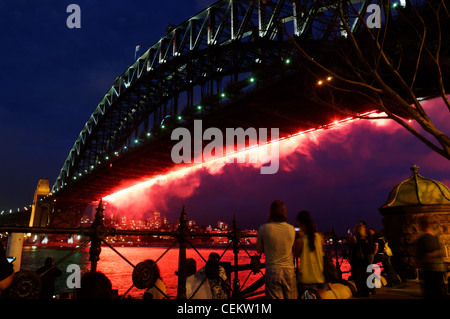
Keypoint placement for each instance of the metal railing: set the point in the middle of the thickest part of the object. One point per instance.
(98, 233)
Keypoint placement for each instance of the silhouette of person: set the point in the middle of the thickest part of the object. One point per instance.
(309, 247)
(158, 290)
(429, 255)
(359, 257)
(382, 256)
(6, 270)
(210, 282)
(217, 277)
(95, 285)
(276, 240)
(48, 273)
(191, 278)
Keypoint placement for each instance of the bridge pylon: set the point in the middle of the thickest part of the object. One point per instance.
(39, 211)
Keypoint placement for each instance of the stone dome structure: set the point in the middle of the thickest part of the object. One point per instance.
(407, 201)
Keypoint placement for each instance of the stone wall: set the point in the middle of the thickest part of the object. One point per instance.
(402, 231)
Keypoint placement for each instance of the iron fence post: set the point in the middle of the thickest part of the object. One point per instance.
(335, 245)
(97, 232)
(235, 238)
(182, 238)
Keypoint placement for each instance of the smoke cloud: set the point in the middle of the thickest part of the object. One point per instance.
(341, 175)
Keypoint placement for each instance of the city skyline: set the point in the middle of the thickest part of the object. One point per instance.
(152, 221)
(161, 224)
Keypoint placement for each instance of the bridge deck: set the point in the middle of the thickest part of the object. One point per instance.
(288, 104)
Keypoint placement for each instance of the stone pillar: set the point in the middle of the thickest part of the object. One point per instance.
(39, 214)
(14, 249)
(402, 231)
(407, 201)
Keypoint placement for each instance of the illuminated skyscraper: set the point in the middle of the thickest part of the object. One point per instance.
(157, 223)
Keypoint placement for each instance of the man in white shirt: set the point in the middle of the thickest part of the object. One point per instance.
(276, 239)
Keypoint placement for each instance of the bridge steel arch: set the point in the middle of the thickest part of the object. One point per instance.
(182, 76)
(227, 39)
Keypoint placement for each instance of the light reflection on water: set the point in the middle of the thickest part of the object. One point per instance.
(120, 272)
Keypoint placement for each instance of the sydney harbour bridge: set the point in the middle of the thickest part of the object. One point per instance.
(234, 64)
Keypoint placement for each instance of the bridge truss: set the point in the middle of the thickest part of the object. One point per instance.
(197, 67)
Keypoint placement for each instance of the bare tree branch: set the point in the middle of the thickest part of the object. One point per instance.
(371, 74)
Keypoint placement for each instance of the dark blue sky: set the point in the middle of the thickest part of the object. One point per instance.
(53, 77)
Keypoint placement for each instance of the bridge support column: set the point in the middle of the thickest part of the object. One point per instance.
(40, 212)
(14, 249)
(67, 214)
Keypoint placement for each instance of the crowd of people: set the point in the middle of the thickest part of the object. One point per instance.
(281, 243)
(368, 247)
(209, 282)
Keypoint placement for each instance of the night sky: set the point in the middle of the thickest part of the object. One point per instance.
(53, 77)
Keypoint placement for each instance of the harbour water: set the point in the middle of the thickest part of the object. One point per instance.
(120, 272)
